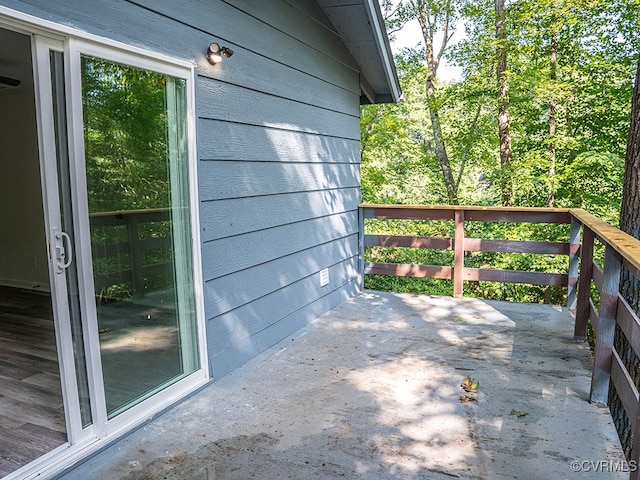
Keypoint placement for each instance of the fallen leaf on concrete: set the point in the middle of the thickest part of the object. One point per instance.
(469, 386)
(467, 398)
(518, 413)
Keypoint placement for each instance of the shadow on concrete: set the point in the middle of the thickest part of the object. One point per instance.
(372, 389)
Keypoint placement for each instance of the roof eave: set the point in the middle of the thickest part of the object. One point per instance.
(360, 24)
(386, 56)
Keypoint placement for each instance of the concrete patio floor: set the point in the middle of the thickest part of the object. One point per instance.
(372, 390)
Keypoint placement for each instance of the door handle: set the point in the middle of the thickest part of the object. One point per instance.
(64, 257)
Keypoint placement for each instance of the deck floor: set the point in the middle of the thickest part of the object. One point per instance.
(372, 390)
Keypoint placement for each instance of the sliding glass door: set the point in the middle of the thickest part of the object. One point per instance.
(100, 274)
(136, 165)
(116, 147)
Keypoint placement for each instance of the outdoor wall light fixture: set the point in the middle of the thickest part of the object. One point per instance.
(216, 53)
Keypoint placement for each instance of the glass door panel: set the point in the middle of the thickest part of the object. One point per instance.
(139, 220)
(66, 233)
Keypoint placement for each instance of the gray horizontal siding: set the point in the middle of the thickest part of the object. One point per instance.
(313, 11)
(222, 101)
(231, 291)
(278, 148)
(228, 24)
(219, 220)
(228, 141)
(220, 180)
(250, 70)
(233, 340)
(299, 25)
(242, 323)
(231, 254)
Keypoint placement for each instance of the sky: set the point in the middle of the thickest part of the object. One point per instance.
(411, 35)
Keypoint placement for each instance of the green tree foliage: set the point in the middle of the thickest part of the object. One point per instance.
(589, 88)
(394, 169)
(571, 67)
(125, 136)
(399, 164)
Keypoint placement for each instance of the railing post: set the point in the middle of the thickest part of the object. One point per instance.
(584, 284)
(458, 254)
(574, 260)
(135, 253)
(606, 326)
(361, 247)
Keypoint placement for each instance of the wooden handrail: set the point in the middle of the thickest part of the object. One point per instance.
(473, 213)
(626, 245)
(623, 243)
(470, 208)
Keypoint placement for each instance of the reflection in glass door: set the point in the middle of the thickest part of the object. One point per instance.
(136, 160)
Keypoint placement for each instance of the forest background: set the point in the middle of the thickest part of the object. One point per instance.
(539, 118)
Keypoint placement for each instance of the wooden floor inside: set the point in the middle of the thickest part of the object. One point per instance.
(31, 409)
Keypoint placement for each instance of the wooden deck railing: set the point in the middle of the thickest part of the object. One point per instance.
(459, 244)
(127, 248)
(621, 251)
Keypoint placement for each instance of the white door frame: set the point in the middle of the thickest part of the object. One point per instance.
(49, 180)
(76, 47)
(50, 36)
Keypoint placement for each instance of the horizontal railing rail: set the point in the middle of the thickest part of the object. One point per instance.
(460, 244)
(130, 243)
(611, 368)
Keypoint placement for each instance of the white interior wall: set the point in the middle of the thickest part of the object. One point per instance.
(23, 256)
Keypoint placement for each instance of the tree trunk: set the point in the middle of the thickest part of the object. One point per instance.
(553, 107)
(441, 150)
(428, 27)
(630, 210)
(504, 131)
(629, 284)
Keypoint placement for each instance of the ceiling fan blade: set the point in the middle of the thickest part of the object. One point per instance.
(12, 82)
